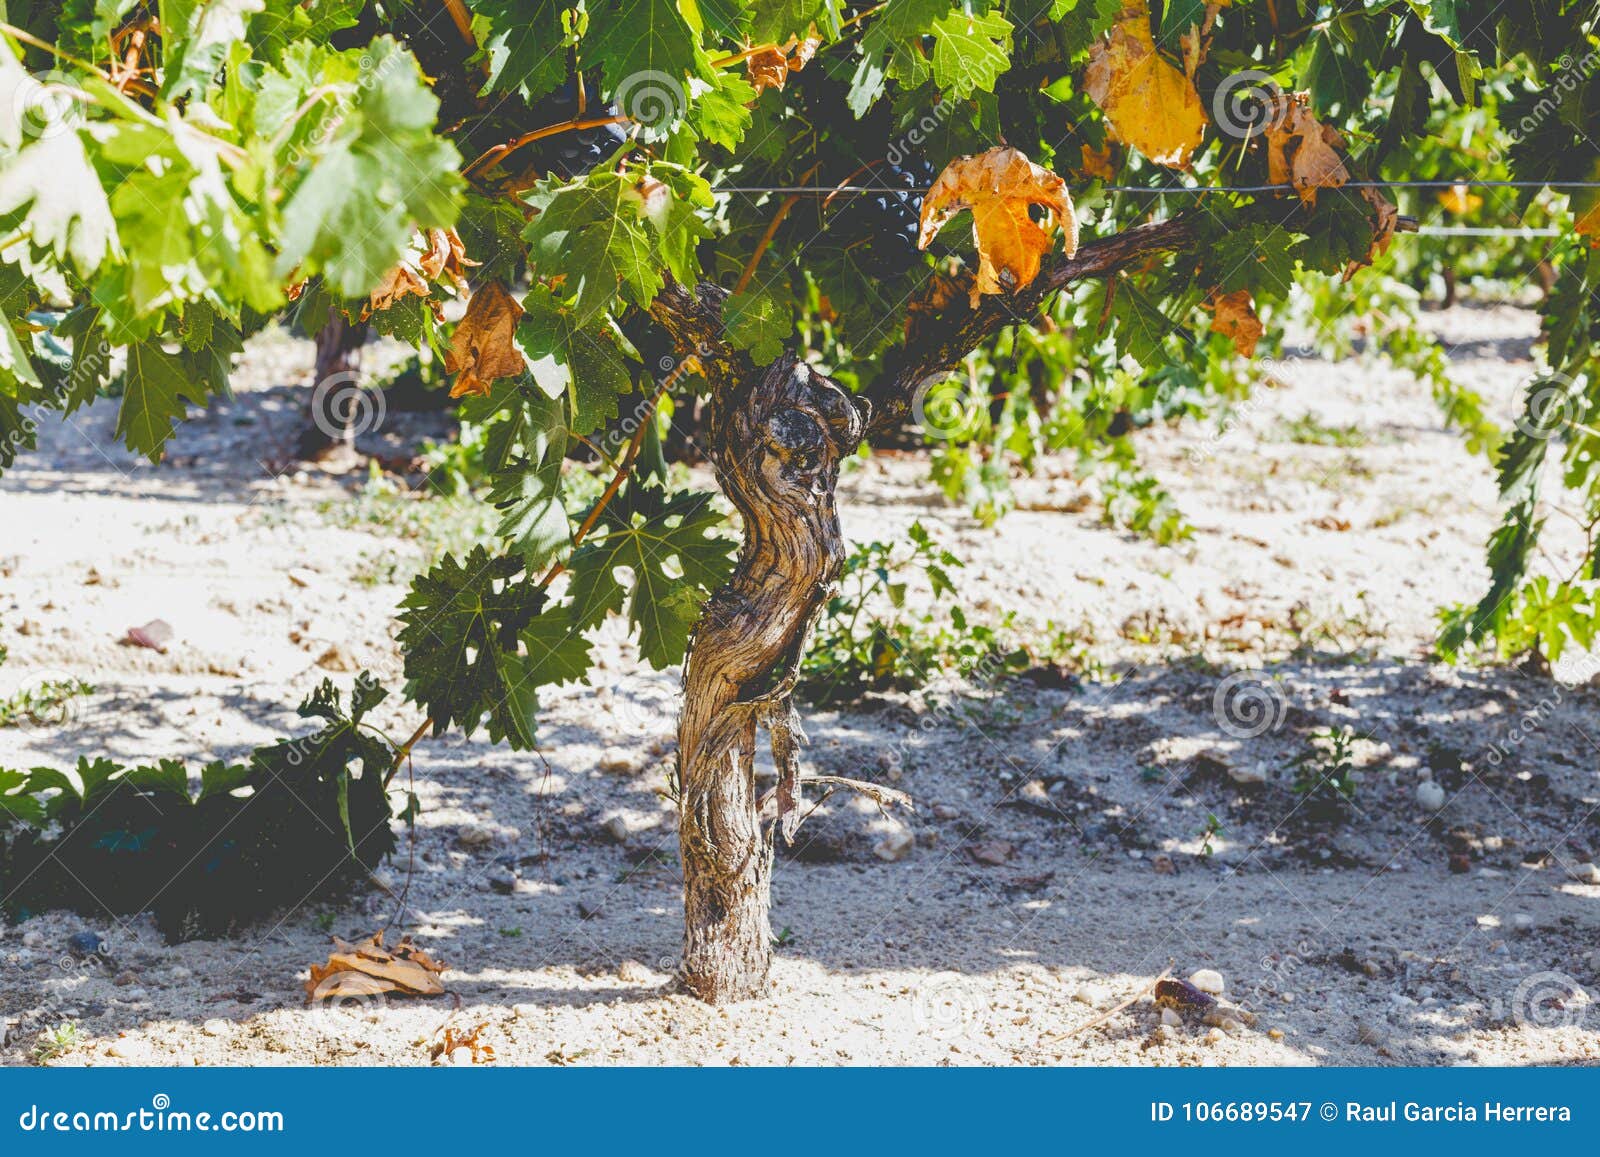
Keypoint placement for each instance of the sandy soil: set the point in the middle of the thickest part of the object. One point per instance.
(1058, 863)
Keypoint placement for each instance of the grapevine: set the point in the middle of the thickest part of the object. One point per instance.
(812, 217)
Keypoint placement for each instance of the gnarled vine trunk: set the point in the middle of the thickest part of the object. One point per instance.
(776, 441)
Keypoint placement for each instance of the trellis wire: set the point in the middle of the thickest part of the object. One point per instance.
(1162, 191)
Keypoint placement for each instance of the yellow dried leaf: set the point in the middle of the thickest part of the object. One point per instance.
(998, 187)
(1148, 103)
(1456, 200)
(1303, 152)
(1585, 207)
(1233, 315)
(484, 346)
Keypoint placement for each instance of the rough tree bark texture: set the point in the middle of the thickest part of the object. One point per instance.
(776, 441)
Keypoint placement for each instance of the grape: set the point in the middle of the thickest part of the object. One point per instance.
(573, 154)
(880, 227)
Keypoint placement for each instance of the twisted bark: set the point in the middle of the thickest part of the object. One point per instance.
(776, 441)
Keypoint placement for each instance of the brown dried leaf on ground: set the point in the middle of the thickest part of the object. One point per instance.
(1148, 102)
(1387, 220)
(1182, 996)
(1234, 316)
(451, 1039)
(368, 968)
(1304, 152)
(998, 187)
(484, 346)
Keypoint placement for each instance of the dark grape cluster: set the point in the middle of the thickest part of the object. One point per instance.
(881, 226)
(573, 154)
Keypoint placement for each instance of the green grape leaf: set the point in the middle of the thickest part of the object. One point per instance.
(970, 52)
(675, 560)
(156, 385)
(197, 35)
(534, 521)
(777, 21)
(565, 359)
(556, 651)
(381, 174)
(647, 52)
(49, 173)
(523, 46)
(460, 624)
(756, 321)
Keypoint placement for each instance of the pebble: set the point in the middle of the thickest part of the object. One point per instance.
(525, 1011)
(475, 836)
(1171, 1018)
(615, 829)
(1215, 1036)
(943, 811)
(216, 1026)
(503, 881)
(460, 1056)
(83, 943)
(1430, 795)
(1208, 980)
(895, 845)
(619, 761)
(1164, 1032)
(1247, 774)
(1521, 922)
(1368, 1035)
(1088, 994)
(632, 972)
(33, 939)
(1585, 873)
(1275, 1033)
